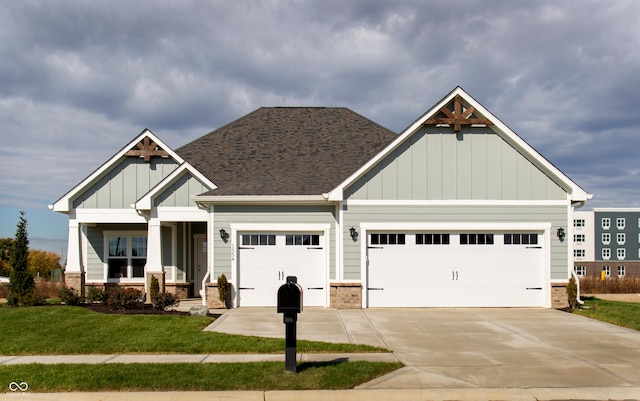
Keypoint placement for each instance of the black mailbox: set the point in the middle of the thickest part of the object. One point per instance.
(290, 296)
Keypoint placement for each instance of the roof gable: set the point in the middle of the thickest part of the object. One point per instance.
(145, 145)
(282, 151)
(455, 110)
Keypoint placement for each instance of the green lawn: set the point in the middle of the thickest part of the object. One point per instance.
(60, 330)
(191, 377)
(625, 314)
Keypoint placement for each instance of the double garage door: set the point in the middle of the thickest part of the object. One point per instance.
(455, 269)
(265, 260)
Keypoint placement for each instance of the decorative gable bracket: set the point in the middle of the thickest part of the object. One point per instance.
(456, 114)
(147, 148)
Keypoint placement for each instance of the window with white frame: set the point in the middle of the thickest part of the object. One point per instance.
(620, 252)
(606, 253)
(606, 223)
(578, 238)
(607, 271)
(580, 222)
(621, 271)
(579, 253)
(126, 256)
(621, 238)
(581, 271)
(620, 223)
(606, 238)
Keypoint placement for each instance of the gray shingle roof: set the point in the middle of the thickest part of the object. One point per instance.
(286, 150)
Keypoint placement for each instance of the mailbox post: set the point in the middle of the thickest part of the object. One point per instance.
(290, 304)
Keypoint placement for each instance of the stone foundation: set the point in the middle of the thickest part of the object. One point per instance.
(559, 297)
(75, 281)
(213, 298)
(181, 290)
(345, 295)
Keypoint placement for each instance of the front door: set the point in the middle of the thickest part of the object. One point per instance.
(200, 263)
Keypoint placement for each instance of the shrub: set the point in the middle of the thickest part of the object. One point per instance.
(124, 298)
(164, 300)
(69, 296)
(96, 295)
(47, 289)
(154, 288)
(610, 285)
(572, 293)
(4, 290)
(222, 288)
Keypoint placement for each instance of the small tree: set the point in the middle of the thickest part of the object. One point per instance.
(222, 289)
(154, 289)
(21, 285)
(572, 293)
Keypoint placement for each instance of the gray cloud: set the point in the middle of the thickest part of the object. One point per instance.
(81, 78)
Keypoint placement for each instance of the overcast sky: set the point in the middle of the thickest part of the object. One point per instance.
(80, 79)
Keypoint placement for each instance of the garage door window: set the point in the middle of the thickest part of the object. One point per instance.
(432, 239)
(387, 239)
(476, 239)
(303, 239)
(521, 239)
(259, 239)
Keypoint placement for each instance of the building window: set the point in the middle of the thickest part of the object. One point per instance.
(521, 239)
(476, 239)
(258, 239)
(607, 271)
(303, 239)
(606, 238)
(606, 223)
(387, 239)
(606, 253)
(620, 223)
(621, 271)
(578, 238)
(432, 239)
(126, 256)
(621, 237)
(578, 253)
(620, 253)
(580, 222)
(581, 271)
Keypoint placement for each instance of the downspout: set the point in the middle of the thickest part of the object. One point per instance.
(573, 272)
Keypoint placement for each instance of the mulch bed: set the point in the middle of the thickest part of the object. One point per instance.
(144, 310)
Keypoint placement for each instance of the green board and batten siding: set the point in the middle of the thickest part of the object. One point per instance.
(225, 216)
(437, 165)
(475, 165)
(125, 183)
(179, 193)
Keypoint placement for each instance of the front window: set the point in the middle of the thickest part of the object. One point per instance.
(126, 256)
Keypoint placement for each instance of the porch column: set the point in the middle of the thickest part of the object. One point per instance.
(74, 276)
(154, 255)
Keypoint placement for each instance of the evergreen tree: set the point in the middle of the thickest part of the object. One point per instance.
(22, 284)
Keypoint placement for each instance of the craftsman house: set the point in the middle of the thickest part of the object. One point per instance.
(456, 211)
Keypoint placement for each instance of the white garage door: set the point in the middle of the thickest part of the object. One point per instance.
(266, 259)
(461, 269)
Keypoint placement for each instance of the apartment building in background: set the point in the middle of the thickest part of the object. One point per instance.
(607, 239)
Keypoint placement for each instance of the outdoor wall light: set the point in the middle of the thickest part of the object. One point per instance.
(560, 233)
(353, 233)
(223, 234)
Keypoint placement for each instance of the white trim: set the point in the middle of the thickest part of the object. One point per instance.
(63, 205)
(575, 193)
(456, 202)
(84, 215)
(260, 199)
(454, 226)
(144, 203)
(182, 214)
(280, 226)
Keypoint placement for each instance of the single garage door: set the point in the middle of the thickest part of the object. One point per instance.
(455, 269)
(266, 259)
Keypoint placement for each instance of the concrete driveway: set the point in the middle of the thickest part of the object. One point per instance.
(469, 348)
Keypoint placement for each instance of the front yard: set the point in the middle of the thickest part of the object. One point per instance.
(67, 330)
(625, 314)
